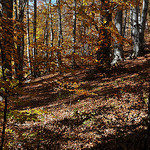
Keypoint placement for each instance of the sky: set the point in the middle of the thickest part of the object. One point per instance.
(53, 1)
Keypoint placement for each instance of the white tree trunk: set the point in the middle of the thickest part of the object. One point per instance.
(118, 52)
(28, 38)
(135, 31)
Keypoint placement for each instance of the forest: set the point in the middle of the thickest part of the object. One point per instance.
(74, 75)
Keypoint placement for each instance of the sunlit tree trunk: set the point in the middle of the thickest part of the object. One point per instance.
(28, 39)
(74, 33)
(51, 31)
(135, 31)
(51, 27)
(60, 37)
(118, 50)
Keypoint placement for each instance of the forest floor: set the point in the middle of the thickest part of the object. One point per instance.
(84, 110)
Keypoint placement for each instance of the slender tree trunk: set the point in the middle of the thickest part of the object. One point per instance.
(20, 46)
(74, 34)
(51, 25)
(118, 49)
(46, 37)
(36, 72)
(60, 37)
(142, 24)
(51, 30)
(28, 39)
(125, 24)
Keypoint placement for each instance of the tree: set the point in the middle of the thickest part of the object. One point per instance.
(6, 50)
(28, 39)
(118, 49)
(36, 72)
(51, 25)
(104, 42)
(60, 36)
(142, 24)
(7, 41)
(138, 27)
(74, 33)
(19, 54)
(135, 30)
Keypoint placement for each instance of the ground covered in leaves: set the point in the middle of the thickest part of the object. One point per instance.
(84, 109)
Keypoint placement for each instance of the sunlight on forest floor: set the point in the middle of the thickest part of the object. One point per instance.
(106, 111)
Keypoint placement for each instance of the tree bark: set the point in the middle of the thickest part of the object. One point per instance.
(142, 24)
(20, 40)
(74, 33)
(118, 49)
(7, 41)
(135, 31)
(104, 43)
(51, 27)
(125, 24)
(28, 39)
(60, 37)
(36, 72)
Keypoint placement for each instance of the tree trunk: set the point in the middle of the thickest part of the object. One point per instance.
(118, 49)
(28, 39)
(60, 37)
(51, 31)
(142, 24)
(7, 44)
(36, 72)
(46, 37)
(74, 34)
(20, 40)
(51, 27)
(125, 24)
(135, 31)
(104, 43)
